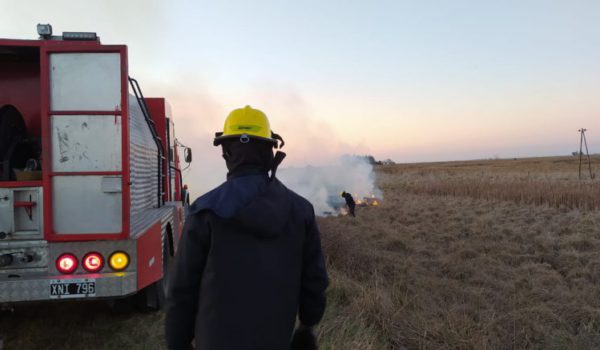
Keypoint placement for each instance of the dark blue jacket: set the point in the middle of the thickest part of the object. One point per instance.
(249, 262)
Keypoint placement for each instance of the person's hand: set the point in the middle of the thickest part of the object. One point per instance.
(304, 339)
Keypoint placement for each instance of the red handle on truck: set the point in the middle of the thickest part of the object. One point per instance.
(25, 204)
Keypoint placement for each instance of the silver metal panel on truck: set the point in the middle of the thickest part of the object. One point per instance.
(141, 222)
(29, 284)
(85, 81)
(86, 143)
(7, 222)
(37, 250)
(38, 287)
(86, 204)
(143, 158)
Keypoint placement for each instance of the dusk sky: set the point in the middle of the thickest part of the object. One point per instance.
(406, 80)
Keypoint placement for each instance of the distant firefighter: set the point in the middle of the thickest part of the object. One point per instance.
(349, 201)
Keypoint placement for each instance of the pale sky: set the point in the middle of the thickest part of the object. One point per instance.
(406, 80)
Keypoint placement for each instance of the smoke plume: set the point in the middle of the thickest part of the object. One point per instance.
(314, 167)
(322, 185)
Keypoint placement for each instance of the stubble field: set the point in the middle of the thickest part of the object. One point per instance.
(498, 254)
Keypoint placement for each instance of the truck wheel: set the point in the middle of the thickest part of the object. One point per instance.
(154, 297)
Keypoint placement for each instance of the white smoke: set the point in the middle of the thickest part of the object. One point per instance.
(316, 170)
(322, 185)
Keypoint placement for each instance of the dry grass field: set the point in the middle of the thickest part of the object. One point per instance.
(499, 254)
(495, 254)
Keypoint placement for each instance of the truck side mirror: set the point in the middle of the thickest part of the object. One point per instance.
(188, 155)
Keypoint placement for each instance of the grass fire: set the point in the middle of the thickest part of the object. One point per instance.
(368, 201)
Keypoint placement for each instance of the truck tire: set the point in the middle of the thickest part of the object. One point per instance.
(154, 297)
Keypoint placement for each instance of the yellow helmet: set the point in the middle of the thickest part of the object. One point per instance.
(245, 123)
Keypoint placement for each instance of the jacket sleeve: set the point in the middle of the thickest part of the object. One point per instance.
(184, 286)
(314, 278)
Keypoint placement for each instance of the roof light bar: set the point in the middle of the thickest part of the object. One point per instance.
(81, 36)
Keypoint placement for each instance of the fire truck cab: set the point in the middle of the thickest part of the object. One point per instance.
(91, 195)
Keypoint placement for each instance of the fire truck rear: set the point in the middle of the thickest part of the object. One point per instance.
(91, 195)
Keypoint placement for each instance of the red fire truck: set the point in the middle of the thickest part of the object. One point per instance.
(91, 195)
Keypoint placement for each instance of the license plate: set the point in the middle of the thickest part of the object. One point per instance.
(76, 288)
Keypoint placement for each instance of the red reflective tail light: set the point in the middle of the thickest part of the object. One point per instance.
(93, 262)
(66, 263)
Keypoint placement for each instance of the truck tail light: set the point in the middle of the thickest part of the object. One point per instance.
(93, 262)
(118, 261)
(66, 263)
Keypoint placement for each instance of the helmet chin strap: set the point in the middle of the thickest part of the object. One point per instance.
(277, 159)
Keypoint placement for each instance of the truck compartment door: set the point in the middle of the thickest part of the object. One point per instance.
(86, 143)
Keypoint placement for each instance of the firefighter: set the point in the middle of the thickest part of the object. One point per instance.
(349, 202)
(250, 260)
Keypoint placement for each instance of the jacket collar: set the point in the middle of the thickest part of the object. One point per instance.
(245, 172)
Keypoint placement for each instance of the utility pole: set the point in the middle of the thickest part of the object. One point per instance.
(583, 141)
